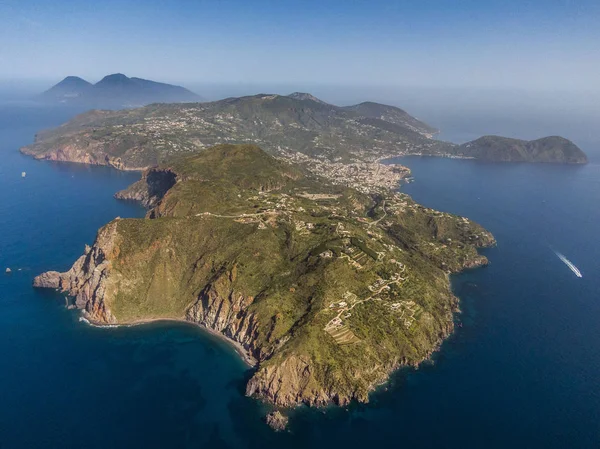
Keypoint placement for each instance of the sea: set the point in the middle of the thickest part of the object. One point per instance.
(521, 371)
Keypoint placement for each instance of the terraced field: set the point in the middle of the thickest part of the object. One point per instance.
(343, 335)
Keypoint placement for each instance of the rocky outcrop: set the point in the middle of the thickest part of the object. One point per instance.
(73, 152)
(220, 308)
(149, 190)
(282, 378)
(277, 421)
(475, 262)
(294, 380)
(49, 279)
(88, 278)
(289, 383)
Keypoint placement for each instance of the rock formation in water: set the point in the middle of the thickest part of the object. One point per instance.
(277, 421)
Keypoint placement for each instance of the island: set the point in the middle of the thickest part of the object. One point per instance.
(552, 149)
(325, 287)
(296, 124)
(114, 91)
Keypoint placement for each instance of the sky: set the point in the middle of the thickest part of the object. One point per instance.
(530, 44)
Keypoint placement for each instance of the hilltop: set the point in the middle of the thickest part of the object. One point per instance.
(503, 149)
(298, 126)
(70, 89)
(115, 90)
(327, 288)
(305, 96)
(144, 137)
(391, 114)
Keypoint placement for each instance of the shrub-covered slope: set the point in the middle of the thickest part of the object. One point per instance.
(328, 289)
(503, 149)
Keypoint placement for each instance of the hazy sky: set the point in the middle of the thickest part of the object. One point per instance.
(445, 43)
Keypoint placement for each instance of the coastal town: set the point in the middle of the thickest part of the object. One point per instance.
(366, 177)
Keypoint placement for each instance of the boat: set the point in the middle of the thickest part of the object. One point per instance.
(569, 264)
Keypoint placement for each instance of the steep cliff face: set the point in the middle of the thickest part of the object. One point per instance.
(220, 308)
(88, 280)
(149, 190)
(80, 153)
(290, 382)
(297, 378)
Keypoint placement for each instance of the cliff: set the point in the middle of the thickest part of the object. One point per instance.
(153, 186)
(327, 288)
(88, 279)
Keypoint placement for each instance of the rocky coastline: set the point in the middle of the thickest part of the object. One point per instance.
(287, 384)
(283, 377)
(75, 154)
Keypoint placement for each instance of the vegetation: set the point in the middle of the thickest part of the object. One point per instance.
(294, 126)
(548, 149)
(269, 255)
(155, 134)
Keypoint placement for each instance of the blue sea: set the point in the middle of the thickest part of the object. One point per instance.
(522, 370)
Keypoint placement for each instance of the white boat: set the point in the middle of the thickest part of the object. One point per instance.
(569, 264)
(23, 174)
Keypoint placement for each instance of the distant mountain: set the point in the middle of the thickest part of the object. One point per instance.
(376, 114)
(143, 137)
(305, 96)
(115, 90)
(70, 89)
(392, 114)
(503, 149)
(280, 124)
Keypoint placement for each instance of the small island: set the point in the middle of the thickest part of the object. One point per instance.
(503, 149)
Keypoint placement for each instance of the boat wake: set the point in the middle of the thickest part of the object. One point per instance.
(569, 264)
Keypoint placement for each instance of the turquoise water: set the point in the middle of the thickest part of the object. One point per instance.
(522, 371)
